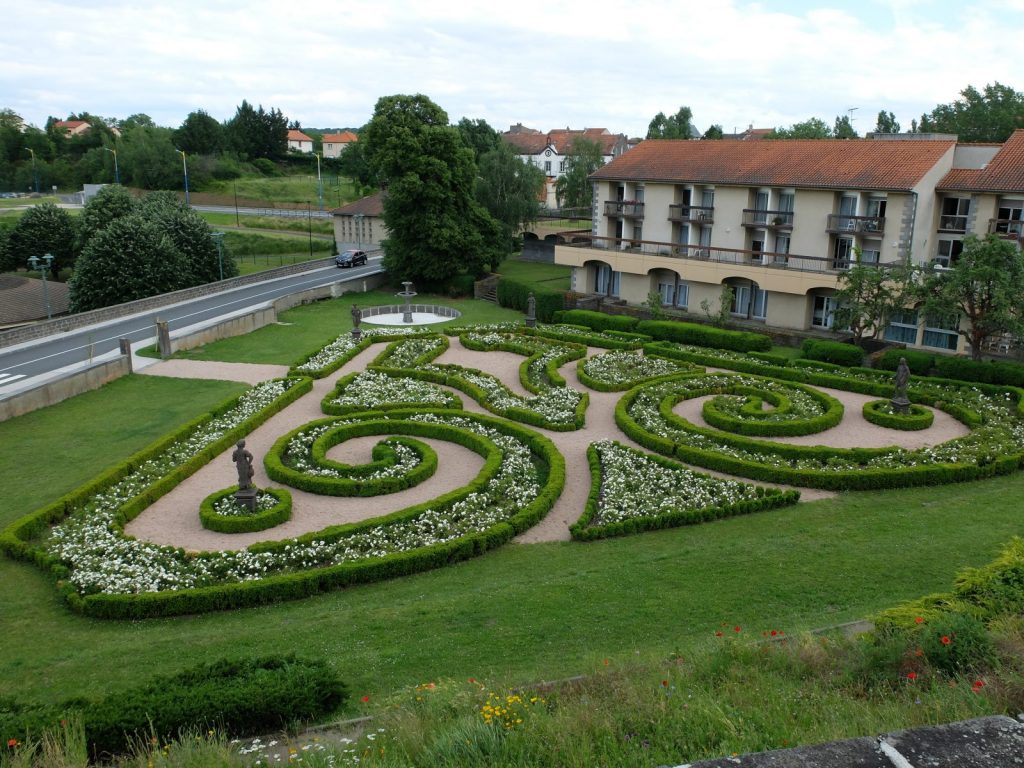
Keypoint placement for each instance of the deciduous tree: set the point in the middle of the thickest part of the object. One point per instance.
(200, 134)
(478, 136)
(985, 285)
(574, 188)
(813, 128)
(107, 205)
(886, 123)
(868, 294)
(677, 126)
(43, 229)
(509, 189)
(436, 228)
(990, 114)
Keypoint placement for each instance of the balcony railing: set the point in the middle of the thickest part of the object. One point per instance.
(709, 253)
(952, 223)
(701, 214)
(841, 224)
(632, 209)
(758, 219)
(1008, 229)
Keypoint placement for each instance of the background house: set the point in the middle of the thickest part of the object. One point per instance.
(299, 142)
(336, 143)
(360, 223)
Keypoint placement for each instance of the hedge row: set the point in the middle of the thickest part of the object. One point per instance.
(1007, 374)
(258, 521)
(572, 351)
(878, 412)
(383, 359)
(582, 530)
(598, 321)
(581, 334)
(514, 295)
(862, 478)
(16, 539)
(837, 353)
(356, 482)
(704, 336)
(920, 363)
(757, 421)
(327, 370)
(599, 385)
(304, 583)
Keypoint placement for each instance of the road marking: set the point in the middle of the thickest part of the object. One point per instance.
(10, 378)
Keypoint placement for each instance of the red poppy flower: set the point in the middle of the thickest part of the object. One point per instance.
(911, 676)
(946, 640)
(606, 662)
(737, 629)
(664, 683)
(365, 699)
(12, 742)
(774, 633)
(979, 683)
(919, 620)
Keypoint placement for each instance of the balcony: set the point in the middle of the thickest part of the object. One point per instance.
(787, 261)
(629, 209)
(754, 218)
(952, 223)
(1007, 229)
(698, 214)
(841, 224)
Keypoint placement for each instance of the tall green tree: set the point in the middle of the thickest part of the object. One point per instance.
(886, 123)
(199, 134)
(131, 258)
(509, 189)
(677, 126)
(985, 285)
(255, 133)
(990, 114)
(868, 294)
(43, 229)
(574, 188)
(478, 136)
(843, 128)
(353, 164)
(191, 236)
(713, 132)
(812, 128)
(436, 228)
(148, 160)
(109, 204)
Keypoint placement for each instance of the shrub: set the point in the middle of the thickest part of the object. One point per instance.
(879, 412)
(837, 353)
(920, 363)
(240, 696)
(704, 336)
(257, 521)
(957, 642)
(598, 321)
(514, 295)
(780, 360)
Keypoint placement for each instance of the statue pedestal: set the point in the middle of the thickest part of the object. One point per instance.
(357, 334)
(247, 498)
(900, 404)
(531, 322)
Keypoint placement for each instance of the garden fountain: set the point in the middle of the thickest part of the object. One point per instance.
(408, 313)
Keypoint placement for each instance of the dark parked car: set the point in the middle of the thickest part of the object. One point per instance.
(350, 258)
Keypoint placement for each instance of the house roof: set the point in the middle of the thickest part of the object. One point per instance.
(70, 125)
(372, 205)
(561, 139)
(1003, 173)
(815, 163)
(294, 135)
(345, 137)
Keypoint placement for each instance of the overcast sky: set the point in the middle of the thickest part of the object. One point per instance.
(546, 64)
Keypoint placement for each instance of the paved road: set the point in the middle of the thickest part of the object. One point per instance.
(74, 348)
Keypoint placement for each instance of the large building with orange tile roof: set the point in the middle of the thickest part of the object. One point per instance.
(779, 220)
(336, 143)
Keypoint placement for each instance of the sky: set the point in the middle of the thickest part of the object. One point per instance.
(551, 64)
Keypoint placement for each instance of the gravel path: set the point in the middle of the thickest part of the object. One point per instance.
(174, 519)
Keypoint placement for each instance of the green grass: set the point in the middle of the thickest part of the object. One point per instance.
(305, 329)
(301, 188)
(546, 277)
(272, 223)
(789, 352)
(17, 202)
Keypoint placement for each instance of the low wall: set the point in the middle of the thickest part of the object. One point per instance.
(54, 392)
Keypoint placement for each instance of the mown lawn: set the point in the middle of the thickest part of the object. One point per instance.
(546, 277)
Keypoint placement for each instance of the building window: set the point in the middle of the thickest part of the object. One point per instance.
(954, 214)
(1011, 217)
(705, 243)
(749, 301)
(823, 312)
(682, 294)
(668, 294)
(842, 253)
(607, 282)
(638, 234)
(561, 166)
(786, 201)
(761, 207)
(547, 167)
(948, 252)
(781, 249)
(876, 212)
(707, 198)
(902, 327)
(870, 256)
(941, 333)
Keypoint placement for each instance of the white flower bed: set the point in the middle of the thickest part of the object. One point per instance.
(298, 456)
(625, 367)
(230, 507)
(371, 389)
(634, 485)
(103, 560)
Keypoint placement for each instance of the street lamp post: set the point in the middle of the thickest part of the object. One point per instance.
(43, 264)
(218, 239)
(117, 173)
(35, 173)
(184, 167)
(319, 181)
(309, 219)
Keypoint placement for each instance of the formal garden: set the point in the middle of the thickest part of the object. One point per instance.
(488, 501)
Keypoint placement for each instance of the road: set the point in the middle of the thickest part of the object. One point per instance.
(72, 349)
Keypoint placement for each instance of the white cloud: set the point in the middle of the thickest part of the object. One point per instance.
(545, 64)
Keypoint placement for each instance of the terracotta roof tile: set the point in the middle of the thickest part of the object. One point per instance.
(372, 205)
(22, 299)
(561, 139)
(1004, 172)
(345, 137)
(297, 136)
(526, 143)
(818, 163)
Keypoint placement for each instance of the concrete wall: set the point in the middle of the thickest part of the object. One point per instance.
(54, 392)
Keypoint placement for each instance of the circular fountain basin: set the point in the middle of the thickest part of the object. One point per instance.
(422, 314)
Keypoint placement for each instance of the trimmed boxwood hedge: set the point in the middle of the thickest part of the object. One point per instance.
(582, 530)
(705, 336)
(258, 521)
(533, 348)
(356, 482)
(331, 408)
(581, 334)
(920, 363)
(514, 295)
(877, 412)
(598, 321)
(289, 586)
(757, 421)
(837, 353)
